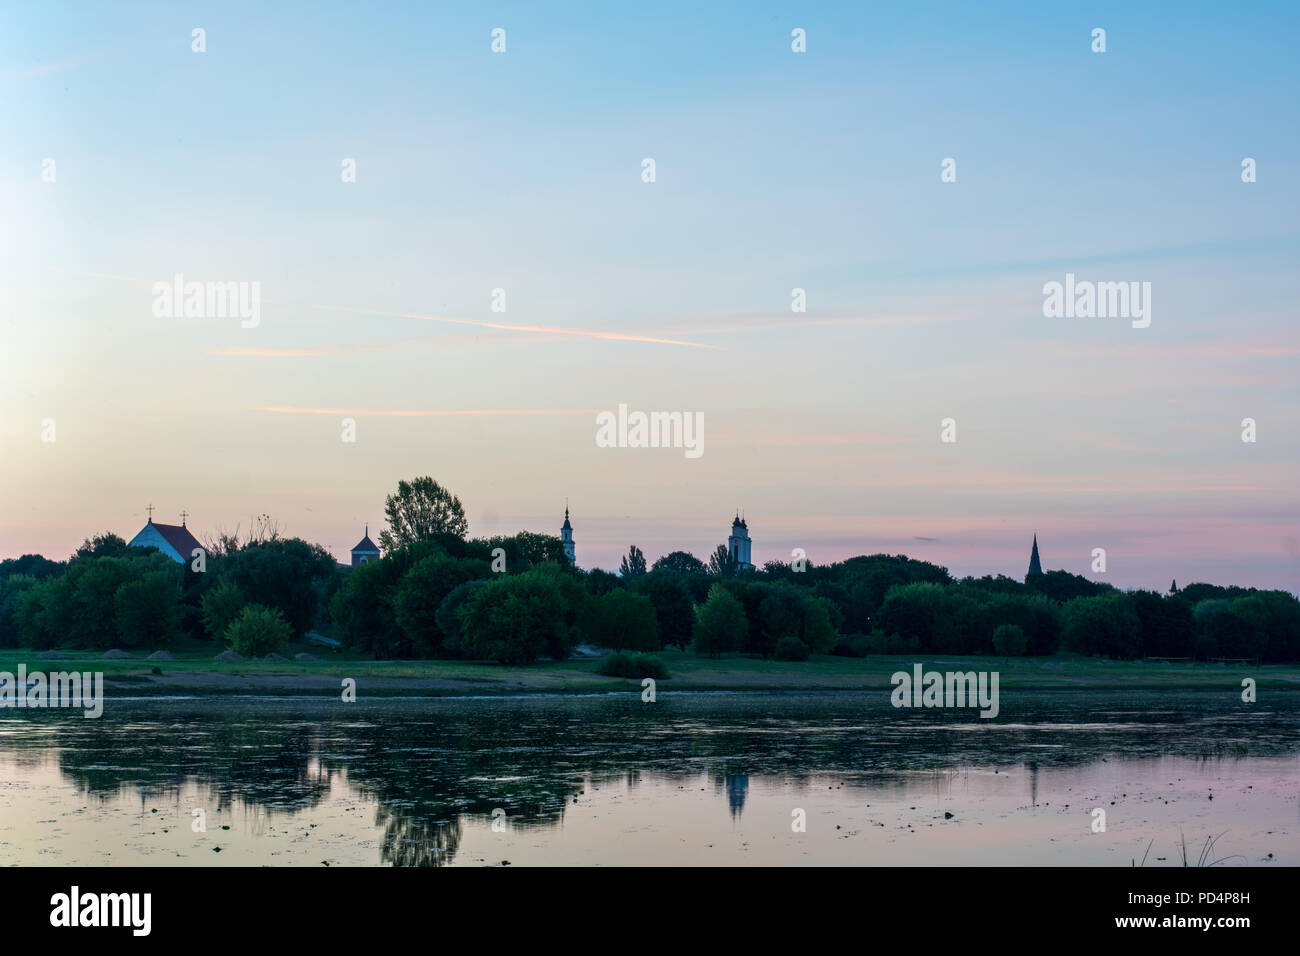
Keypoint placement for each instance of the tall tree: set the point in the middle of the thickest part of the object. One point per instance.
(633, 565)
(720, 623)
(720, 563)
(421, 509)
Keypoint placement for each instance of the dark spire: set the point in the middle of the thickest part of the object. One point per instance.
(1035, 566)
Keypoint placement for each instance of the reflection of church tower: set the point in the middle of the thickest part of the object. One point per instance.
(566, 536)
(737, 786)
(1035, 566)
(738, 545)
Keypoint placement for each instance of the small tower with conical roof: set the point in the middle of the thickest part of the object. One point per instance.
(365, 550)
(1035, 566)
(566, 537)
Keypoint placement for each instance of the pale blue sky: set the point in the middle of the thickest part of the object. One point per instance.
(774, 170)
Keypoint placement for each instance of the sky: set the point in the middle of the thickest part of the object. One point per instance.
(522, 171)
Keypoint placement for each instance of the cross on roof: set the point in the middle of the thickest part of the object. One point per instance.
(150, 510)
(184, 515)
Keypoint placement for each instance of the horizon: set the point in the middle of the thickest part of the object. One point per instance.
(342, 552)
(819, 171)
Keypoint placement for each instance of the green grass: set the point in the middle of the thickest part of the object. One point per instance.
(195, 671)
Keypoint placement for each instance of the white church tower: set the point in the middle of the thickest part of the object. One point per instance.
(738, 545)
(566, 537)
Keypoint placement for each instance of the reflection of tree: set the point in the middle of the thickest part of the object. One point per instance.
(412, 842)
(436, 767)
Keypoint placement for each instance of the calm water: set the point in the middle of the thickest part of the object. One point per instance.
(691, 779)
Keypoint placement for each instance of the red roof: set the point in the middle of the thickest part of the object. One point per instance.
(179, 537)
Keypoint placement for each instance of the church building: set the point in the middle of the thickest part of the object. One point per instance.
(738, 545)
(1035, 566)
(173, 540)
(364, 551)
(566, 537)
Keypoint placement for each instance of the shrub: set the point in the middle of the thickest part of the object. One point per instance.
(791, 649)
(148, 611)
(221, 606)
(517, 618)
(258, 631)
(635, 666)
(622, 621)
(818, 625)
(878, 642)
(1009, 640)
(720, 623)
(852, 645)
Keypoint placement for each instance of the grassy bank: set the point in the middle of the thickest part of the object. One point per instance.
(195, 672)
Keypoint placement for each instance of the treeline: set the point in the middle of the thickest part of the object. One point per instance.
(437, 594)
(253, 596)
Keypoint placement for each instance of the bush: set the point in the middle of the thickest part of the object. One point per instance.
(878, 642)
(148, 611)
(818, 625)
(258, 631)
(720, 623)
(221, 606)
(791, 649)
(635, 666)
(1009, 640)
(622, 621)
(517, 618)
(852, 645)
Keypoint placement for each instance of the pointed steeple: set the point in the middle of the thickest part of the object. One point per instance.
(566, 536)
(1035, 566)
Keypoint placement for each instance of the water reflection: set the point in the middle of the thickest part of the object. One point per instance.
(434, 770)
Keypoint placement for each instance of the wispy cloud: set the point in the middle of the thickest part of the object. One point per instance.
(510, 327)
(757, 323)
(424, 412)
(44, 69)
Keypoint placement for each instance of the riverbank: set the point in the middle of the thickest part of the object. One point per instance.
(195, 672)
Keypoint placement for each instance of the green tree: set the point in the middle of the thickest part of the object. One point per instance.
(780, 614)
(674, 609)
(286, 573)
(524, 550)
(720, 623)
(1009, 640)
(106, 545)
(421, 592)
(1106, 624)
(420, 510)
(448, 616)
(258, 631)
(818, 629)
(362, 608)
(148, 611)
(221, 605)
(517, 618)
(633, 565)
(790, 648)
(622, 621)
(720, 563)
(680, 562)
